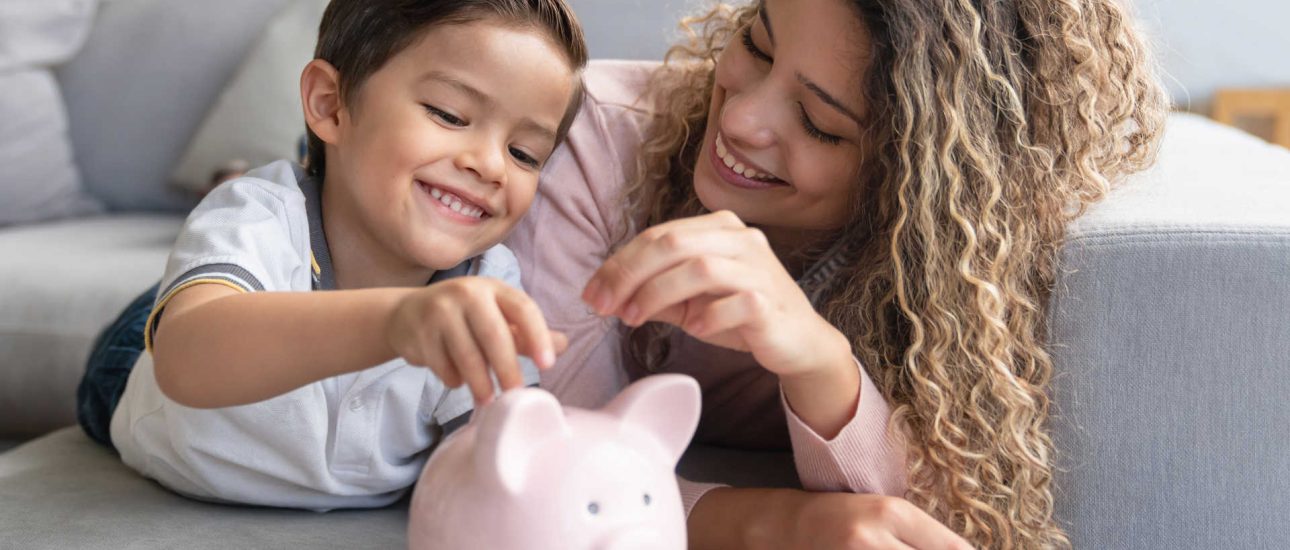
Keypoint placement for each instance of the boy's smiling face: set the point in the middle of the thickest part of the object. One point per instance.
(435, 157)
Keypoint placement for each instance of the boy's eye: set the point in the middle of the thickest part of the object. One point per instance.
(448, 118)
(525, 158)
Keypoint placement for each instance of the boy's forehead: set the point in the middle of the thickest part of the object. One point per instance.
(506, 66)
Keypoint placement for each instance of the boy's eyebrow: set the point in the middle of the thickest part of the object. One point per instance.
(481, 97)
(460, 85)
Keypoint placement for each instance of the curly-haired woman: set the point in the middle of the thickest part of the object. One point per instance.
(842, 217)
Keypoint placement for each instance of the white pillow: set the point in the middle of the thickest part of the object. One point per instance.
(258, 118)
(40, 33)
(38, 175)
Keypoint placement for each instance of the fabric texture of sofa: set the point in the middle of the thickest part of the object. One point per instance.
(1170, 327)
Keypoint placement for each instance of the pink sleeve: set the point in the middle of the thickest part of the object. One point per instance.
(862, 458)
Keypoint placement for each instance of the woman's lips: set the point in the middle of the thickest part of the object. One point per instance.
(735, 172)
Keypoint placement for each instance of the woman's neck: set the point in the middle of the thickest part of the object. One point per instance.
(796, 248)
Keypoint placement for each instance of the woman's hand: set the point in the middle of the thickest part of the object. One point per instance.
(462, 327)
(852, 521)
(719, 281)
(776, 519)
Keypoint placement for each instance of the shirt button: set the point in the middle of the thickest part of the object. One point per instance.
(355, 404)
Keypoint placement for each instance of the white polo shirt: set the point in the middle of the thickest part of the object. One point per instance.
(351, 441)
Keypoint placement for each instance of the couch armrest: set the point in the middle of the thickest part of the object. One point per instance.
(1171, 339)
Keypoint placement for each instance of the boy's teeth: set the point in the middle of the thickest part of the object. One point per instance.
(455, 203)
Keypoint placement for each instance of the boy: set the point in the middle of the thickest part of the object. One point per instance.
(428, 123)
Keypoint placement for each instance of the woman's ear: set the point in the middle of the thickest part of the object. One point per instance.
(320, 97)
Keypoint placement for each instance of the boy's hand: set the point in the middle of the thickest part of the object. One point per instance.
(460, 328)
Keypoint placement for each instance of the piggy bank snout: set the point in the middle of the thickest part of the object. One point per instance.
(632, 539)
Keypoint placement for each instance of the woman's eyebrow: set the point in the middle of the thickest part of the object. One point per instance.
(825, 97)
(765, 20)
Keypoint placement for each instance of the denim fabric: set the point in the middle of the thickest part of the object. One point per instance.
(111, 359)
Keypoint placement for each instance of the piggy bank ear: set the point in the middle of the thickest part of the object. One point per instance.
(666, 405)
(511, 429)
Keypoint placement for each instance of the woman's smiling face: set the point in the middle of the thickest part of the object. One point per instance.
(783, 146)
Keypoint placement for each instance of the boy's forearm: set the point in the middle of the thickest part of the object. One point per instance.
(249, 347)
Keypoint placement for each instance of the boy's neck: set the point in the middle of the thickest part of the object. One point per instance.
(359, 259)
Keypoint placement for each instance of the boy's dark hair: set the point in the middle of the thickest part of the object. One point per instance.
(359, 36)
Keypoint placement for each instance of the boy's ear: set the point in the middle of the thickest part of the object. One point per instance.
(320, 97)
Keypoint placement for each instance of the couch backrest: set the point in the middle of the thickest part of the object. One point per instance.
(139, 88)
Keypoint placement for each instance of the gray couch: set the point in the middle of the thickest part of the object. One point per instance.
(1171, 328)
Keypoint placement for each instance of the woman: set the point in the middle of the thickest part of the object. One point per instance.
(812, 185)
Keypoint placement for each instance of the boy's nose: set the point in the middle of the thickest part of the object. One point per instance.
(487, 163)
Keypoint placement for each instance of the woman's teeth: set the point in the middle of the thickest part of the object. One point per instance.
(455, 203)
(739, 167)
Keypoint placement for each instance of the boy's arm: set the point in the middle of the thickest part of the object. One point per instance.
(220, 347)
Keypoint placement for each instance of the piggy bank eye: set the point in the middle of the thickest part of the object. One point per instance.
(647, 499)
(593, 507)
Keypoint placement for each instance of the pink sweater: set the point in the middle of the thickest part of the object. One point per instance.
(567, 235)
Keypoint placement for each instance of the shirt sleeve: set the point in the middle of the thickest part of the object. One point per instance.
(248, 234)
(863, 458)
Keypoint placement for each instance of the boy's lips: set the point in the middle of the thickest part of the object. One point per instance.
(457, 201)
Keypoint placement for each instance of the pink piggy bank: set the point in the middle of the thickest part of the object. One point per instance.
(527, 474)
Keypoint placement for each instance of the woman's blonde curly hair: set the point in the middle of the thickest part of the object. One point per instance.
(998, 123)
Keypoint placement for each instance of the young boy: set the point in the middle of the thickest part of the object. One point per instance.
(428, 124)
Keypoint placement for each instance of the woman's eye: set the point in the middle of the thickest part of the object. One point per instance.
(525, 158)
(448, 118)
(813, 130)
(752, 47)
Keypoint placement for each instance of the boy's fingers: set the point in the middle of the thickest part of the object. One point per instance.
(439, 362)
(470, 364)
(531, 333)
(494, 338)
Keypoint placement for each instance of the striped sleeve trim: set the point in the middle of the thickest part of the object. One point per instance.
(229, 275)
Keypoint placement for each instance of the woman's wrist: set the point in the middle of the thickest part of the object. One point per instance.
(825, 397)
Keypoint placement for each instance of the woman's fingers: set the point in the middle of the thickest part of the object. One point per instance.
(920, 530)
(657, 250)
(725, 314)
(696, 276)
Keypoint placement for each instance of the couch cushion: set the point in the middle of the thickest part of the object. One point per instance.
(63, 282)
(65, 491)
(257, 119)
(39, 180)
(1171, 332)
(141, 85)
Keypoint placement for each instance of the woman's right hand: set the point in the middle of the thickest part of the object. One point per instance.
(862, 521)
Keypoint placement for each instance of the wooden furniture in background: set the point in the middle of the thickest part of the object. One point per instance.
(1264, 112)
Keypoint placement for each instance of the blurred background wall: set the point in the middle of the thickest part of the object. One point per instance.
(1203, 44)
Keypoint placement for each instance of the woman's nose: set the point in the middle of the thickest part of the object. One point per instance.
(746, 118)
